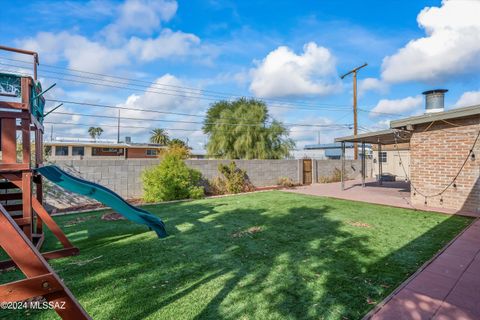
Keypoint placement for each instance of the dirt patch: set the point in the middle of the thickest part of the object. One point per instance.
(359, 224)
(113, 216)
(248, 232)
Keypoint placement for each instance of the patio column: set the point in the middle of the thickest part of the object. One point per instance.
(363, 164)
(343, 166)
(380, 171)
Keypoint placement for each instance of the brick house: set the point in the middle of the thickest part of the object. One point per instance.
(444, 156)
(84, 149)
(440, 145)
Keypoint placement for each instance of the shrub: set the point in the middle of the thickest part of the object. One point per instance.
(171, 180)
(286, 182)
(234, 180)
(217, 186)
(336, 176)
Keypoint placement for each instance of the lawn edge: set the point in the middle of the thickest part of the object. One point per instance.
(381, 304)
(65, 213)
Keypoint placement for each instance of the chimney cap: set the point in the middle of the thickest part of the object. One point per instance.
(434, 91)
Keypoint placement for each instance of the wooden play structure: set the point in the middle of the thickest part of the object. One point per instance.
(22, 215)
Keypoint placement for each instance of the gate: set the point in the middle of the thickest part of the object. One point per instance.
(307, 171)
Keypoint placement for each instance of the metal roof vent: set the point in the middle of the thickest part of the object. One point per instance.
(434, 100)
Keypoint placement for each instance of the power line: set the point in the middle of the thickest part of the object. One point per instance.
(138, 127)
(153, 83)
(194, 92)
(187, 90)
(378, 112)
(113, 126)
(189, 95)
(196, 122)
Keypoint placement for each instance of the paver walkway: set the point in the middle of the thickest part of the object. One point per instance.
(447, 288)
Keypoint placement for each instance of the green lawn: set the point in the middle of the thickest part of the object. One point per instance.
(270, 255)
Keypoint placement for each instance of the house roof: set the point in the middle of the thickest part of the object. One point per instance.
(326, 146)
(389, 136)
(396, 135)
(104, 145)
(436, 116)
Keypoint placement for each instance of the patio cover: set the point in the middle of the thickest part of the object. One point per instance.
(383, 137)
(378, 137)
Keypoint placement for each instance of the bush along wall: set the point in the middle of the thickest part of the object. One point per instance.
(172, 179)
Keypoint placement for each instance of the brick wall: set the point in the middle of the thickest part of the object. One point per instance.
(124, 176)
(436, 156)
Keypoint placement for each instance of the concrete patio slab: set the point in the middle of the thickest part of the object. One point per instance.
(395, 194)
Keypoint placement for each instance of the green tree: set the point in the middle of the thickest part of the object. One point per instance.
(95, 132)
(178, 143)
(159, 136)
(239, 130)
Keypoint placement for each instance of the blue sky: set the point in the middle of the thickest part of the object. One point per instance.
(289, 53)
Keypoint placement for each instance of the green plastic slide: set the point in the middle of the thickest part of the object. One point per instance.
(103, 195)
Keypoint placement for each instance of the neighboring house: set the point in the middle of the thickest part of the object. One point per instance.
(327, 151)
(79, 149)
(395, 160)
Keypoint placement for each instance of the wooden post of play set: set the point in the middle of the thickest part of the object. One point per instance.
(22, 215)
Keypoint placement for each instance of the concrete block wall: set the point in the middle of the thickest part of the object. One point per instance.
(325, 168)
(124, 176)
(261, 172)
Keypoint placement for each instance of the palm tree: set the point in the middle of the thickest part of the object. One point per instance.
(95, 132)
(159, 136)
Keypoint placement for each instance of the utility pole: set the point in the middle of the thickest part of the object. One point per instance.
(118, 127)
(355, 122)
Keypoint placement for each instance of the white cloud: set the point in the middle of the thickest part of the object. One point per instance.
(284, 73)
(181, 102)
(115, 46)
(469, 98)
(398, 106)
(143, 16)
(84, 54)
(372, 84)
(80, 52)
(151, 99)
(451, 45)
(168, 44)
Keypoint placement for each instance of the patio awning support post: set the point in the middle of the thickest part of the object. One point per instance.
(364, 167)
(343, 166)
(380, 171)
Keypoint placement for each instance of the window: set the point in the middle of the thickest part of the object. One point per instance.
(61, 151)
(152, 152)
(107, 152)
(78, 151)
(383, 156)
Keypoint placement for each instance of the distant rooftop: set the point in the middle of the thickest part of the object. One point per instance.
(64, 141)
(327, 146)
